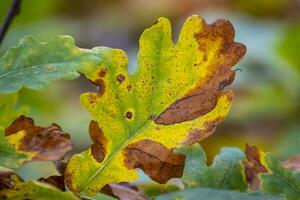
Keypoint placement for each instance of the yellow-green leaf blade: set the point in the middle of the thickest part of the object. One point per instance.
(143, 116)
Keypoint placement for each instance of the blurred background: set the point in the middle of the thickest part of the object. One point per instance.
(266, 110)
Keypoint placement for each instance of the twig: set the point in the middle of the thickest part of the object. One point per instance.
(13, 11)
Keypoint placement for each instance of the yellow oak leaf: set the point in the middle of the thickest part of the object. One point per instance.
(176, 97)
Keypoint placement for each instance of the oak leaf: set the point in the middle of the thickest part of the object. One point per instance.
(225, 173)
(9, 110)
(176, 97)
(33, 64)
(268, 174)
(22, 142)
(254, 166)
(214, 194)
(13, 187)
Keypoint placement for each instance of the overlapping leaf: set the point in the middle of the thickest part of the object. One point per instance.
(265, 173)
(22, 141)
(175, 98)
(226, 171)
(12, 187)
(279, 180)
(33, 64)
(8, 109)
(213, 194)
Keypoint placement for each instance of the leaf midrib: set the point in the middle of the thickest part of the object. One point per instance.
(34, 66)
(284, 179)
(109, 159)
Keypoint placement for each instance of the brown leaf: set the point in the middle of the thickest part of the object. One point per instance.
(122, 191)
(159, 162)
(57, 181)
(253, 166)
(7, 178)
(293, 163)
(49, 143)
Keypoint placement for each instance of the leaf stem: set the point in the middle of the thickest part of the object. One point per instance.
(13, 11)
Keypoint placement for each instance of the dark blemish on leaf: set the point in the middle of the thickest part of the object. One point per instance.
(56, 181)
(129, 87)
(102, 73)
(101, 86)
(100, 141)
(6, 179)
(120, 78)
(129, 115)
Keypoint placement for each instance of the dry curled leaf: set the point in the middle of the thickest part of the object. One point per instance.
(37, 143)
(123, 191)
(176, 97)
(254, 166)
(8, 178)
(57, 181)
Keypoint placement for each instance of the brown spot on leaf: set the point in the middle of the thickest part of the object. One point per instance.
(100, 141)
(129, 88)
(56, 181)
(197, 135)
(123, 191)
(293, 163)
(203, 98)
(120, 78)
(50, 143)
(101, 86)
(129, 115)
(159, 162)
(253, 167)
(102, 73)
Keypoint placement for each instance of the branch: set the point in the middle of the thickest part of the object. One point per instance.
(13, 11)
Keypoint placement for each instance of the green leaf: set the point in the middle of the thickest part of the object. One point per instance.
(174, 98)
(9, 110)
(226, 171)
(280, 180)
(213, 194)
(33, 64)
(14, 188)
